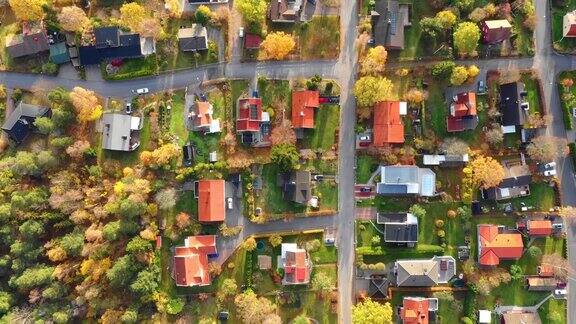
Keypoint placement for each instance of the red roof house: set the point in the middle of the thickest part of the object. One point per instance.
(303, 104)
(191, 261)
(493, 245)
(539, 228)
(211, 200)
(569, 24)
(252, 41)
(416, 310)
(296, 263)
(249, 115)
(495, 31)
(463, 114)
(388, 126)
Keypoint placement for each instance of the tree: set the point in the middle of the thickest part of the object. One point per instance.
(415, 96)
(494, 136)
(301, 319)
(86, 104)
(454, 146)
(547, 148)
(459, 75)
(285, 156)
(132, 14)
(417, 211)
(44, 125)
(369, 90)
(446, 18)
(443, 70)
(73, 19)
(146, 282)
(182, 220)
(164, 156)
(166, 198)
(251, 309)
(249, 244)
(78, 149)
(33, 277)
(473, 71)
(477, 15)
(534, 252)
(560, 266)
(31, 229)
(5, 302)
(275, 240)
(486, 172)
(174, 7)
(138, 245)
(130, 316)
(567, 82)
(375, 60)
(72, 243)
(122, 272)
(49, 68)
(27, 9)
(228, 287)
(253, 11)
(203, 15)
(464, 5)
(371, 312)
(150, 27)
(322, 282)
(431, 26)
(568, 213)
(277, 45)
(466, 38)
(516, 272)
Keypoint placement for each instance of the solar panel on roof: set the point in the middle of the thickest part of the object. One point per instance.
(393, 19)
(253, 112)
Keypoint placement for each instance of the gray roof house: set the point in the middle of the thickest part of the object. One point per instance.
(120, 132)
(388, 21)
(397, 180)
(399, 227)
(443, 160)
(193, 38)
(424, 273)
(296, 186)
(20, 123)
(28, 43)
(516, 182)
(284, 11)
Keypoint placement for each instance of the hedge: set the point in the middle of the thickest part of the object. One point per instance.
(420, 249)
(566, 113)
(572, 147)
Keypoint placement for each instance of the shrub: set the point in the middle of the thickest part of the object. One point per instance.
(466, 320)
(534, 252)
(439, 223)
(451, 214)
(429, 248)
(175, 306)
(441, 233)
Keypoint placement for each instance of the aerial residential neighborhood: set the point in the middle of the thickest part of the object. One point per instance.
(288, 161)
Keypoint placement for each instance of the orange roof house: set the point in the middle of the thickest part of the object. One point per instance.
(416, 310)
(539, 227)
(463, 113)
(191, 261)
(249, 114)
(303, 104)
(296, 263)
(201, 117)
(211, 200)
(493, 245)
(388, 126)
(545, 270)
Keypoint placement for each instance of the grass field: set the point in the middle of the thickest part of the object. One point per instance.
(320, 38)
(366, 165)
(177, 118)
(563, 45)
(323, 136)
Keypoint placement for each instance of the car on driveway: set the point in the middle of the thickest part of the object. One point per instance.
(229, 203)
(481, 86)
(560, 292)
(128, 108)
(188, 154)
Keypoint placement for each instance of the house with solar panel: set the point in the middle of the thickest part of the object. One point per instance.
(252, 124)
(20, 123)
(389, 18)
(193, 39)
(406, 180)
(399, 228)
(111, 43)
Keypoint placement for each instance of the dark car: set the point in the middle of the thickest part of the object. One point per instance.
(365, 189)
(223, 315)
(481, 87)
(188, 154)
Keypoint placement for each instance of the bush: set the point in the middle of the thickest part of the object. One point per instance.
(175, 306)
(50, 68)
(369, 250)
(466, 320)
(439, 223)
(567, 98)
(572, 147)
(451, 214)
(534, 252)
(429, 248)
(441, 233)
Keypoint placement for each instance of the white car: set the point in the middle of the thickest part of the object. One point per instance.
(560, 292)
(141, 91)
(229, 203)
(241, 32)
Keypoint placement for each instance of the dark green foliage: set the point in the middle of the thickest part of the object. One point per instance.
(285, 156)
(138, 245)
(31, 229)
(33, 277)
(72, 243)
(443, 70)
(122, 272)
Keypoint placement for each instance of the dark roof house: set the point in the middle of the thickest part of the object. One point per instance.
(388, 21)
(399, 227)
(296, 186)
(193, 38)
(378, 288)
(516, 182)
(111, 43)
(20, 123)
(513, 104)
(59, 53)
(28, 43)
(284, 11)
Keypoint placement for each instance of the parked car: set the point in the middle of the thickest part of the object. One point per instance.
(365, 138)
(223, 315)
(365, 189)
(574, 112)
(129, 108)
(141, 91)
(318, 177)
(188, 154)
(560, 292)
(229, 203)
(481, 86)
(241, 32)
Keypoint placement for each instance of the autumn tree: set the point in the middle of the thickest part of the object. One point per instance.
(249, 244)
(486, 172)
(560, 266)
(73, 19)
(253, 11)
(285, 156)
(494, 136)
(228, 287)
(183, 220)
(277, 45)
(283, 133)
(322, 282)
(174, 7)
(27, 9)
(132, 14)
(454, 146)
(166, 198)
(253, 310)
(78, 149)
(275, 240)
(473, 71)
(369, 90)
(415, 96)
(163, 156)
(568, 213)
(86, 104)
(44, 125)
(150, 27)
(567, 82)
(459, 75)
(203, 14)
(375, 60)
(547, 148)
(466, 38)
(446, 18)
(431, 27)
(371, 312)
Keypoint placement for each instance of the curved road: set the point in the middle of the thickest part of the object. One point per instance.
(546, 63)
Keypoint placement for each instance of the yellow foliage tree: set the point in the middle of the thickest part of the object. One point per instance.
(174, 7)
(27, 9)
(161, 156)
(132, 14)
(277, 45)
(446, 18)
(86, 104)
(414, 96)
(375, 60)
(368, 90)
(486, 172)
(473, 71)
(249, 244)
(459, 75)
(57, 254)
(150, 27)
(72, 19)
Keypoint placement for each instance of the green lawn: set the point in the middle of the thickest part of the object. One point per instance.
(541, 197)
(271, 199)
(524, 39)
(565, 45)
(553, 312)
(177, 119)
(327, 191)
(320, 38)
(133, 68)
(274, 94)
(531, 86)
(323, 136)
(365, 166)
